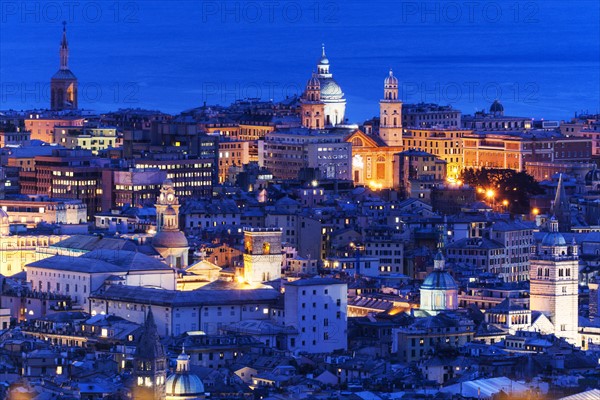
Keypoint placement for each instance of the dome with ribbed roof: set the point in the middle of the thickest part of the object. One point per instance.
(170, 240)
(391, 80)
(439, 280)
(183, 384)
(330, 89)
(496, 107)
(554, 239)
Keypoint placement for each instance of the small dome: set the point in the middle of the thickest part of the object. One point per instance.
(170, 239)
(496, 107)
(313, 81)
(391, 80)
(184, 385)
(592, 176)
(554, 239)
(168, 183)
(439, 280)
(439, 256)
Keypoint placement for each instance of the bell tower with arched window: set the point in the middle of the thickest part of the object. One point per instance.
(390, 113)
(553, 283)
(311, 106)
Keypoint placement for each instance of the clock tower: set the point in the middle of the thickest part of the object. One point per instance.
(169, 240)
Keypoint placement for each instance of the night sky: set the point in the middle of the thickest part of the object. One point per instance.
(539, 58)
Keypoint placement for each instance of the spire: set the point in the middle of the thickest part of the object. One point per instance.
(560, 207)
(64, 49)
(148, 345)
(323, 50)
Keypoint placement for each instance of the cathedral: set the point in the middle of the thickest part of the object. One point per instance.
(373, 155)
(63, 85)
(323, 104)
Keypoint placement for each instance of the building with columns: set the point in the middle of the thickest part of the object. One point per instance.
(553, 277)
(63, 85)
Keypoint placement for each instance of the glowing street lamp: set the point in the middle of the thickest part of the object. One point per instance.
(535, 211)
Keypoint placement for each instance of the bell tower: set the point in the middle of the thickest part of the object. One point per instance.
(554, 283)
(63, 85)
(312, 108)
(262, 255)
(167, 208)
(149, 363)
(390, 113)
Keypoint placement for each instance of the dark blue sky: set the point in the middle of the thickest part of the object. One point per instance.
(540, 58)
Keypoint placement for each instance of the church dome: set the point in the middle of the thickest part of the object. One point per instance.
(391, 80)
(592, 176)
(439, 280)
(313, 81)
(184, 385)
(330, 89)
(554, 239)
(496, 107)
(170, 240)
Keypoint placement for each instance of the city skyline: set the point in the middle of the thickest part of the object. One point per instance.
(242, 199)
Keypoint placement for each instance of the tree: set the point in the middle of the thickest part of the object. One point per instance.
(503, 184)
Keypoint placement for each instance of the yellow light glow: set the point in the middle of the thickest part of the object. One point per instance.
(490, 193)
(535, 211)
(505, 202)
(480, 190)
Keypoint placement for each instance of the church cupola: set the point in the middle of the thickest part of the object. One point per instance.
(390, 112)
(313, 89)
(323, 64)
(390, 87)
